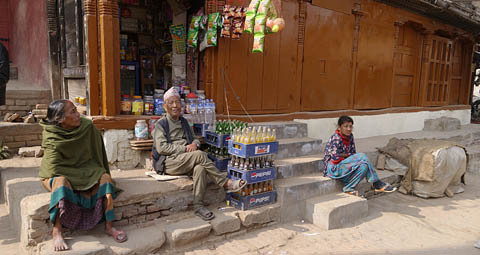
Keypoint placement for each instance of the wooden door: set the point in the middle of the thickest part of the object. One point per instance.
(327, 63)
(4, 22)
(461, 75)
(263, 82)
(437, 71)
(406, 62)
(375, 57)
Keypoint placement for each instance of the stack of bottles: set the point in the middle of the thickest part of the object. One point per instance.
(251, 163)
(203, 112)
(228, 126)
(256, 188)
(251, 135)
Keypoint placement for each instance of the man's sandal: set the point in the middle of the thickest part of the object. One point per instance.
(387, 188)
(204, 214)
(118, 235)
(236, 186)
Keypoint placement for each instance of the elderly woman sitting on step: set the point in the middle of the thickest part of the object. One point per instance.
(342, 161)
(75, 170)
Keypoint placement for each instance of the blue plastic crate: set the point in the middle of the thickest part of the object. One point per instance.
(252, 176)
(217, 140)
(200, 129)
(250, 202)
(252, 150)
(220, 163)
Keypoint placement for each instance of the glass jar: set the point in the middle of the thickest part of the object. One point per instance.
(148, 104)
(141, 130)
(126, 105)
(137, 105)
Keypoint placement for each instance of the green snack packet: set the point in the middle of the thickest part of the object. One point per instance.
(258, 43)
(213, 23)
(250, 16)
(193, 31)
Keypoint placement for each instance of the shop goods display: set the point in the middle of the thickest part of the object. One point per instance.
(232, 21)
(193, 31)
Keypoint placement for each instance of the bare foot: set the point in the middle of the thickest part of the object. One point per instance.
(59, 243)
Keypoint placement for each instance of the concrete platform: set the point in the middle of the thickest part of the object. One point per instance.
(298, 147)
(335, 210)
(299, 166)
(286, 129)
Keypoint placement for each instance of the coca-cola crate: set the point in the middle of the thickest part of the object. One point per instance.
(220, 162)
(217, 140)
(252, 176)
(200, 129)
(253, 201)
(252, 150)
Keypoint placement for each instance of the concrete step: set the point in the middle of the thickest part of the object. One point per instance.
(285, 129)
(167, 236)
(292, 193)
(298, 147)
(335, 211)
(294, 167)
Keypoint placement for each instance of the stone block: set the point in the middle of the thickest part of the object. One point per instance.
(141, 218)
(153, 216)
(34, 143)
(225, 223)
(142, 210)
(82, 245)
(298, 147)
(20, 138)
(9, 102)
(187, 231)
(20, 102)
(441, 124)
(153, 208)
(144, 240)
(260, 215)
(6, 139)
(15, 145)
(130, 211)
(18, 108)
(29, 151)
(335, 211)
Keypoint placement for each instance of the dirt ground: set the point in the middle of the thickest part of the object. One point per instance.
(397, 224)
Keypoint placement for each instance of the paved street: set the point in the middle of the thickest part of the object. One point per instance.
(397, 224)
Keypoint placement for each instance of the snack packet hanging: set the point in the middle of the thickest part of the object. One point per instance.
(259, 29)
(250, 16)
(213, 23)
(193, 31)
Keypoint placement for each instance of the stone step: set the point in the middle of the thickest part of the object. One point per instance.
(335, 211)
(294, 167)
(285, 129)
(298, 147)
(293, 192)
(168, 236)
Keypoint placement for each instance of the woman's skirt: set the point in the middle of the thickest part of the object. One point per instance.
(81, 210)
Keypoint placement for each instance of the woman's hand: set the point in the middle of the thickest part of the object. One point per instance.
(344, 155)
(191, 147)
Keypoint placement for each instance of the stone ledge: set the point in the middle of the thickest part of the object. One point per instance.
(187, 231)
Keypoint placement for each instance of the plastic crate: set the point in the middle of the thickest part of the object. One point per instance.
(200, 129)
(253, 201)
(220, 163)
(217, 140)
(252, 176)
(252, 150)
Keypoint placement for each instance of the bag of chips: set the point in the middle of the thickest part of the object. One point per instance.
(213, 24)
(259, 29)
(193, 31)
(250, 16)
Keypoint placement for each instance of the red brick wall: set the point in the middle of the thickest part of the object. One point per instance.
(23, 101)
(17, 135)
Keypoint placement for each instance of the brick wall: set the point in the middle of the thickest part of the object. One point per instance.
(23, 101)
(17, 135)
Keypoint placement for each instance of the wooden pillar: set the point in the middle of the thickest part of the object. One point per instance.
(91, 46)
(110, 56)
(357, 11)
(55, 74)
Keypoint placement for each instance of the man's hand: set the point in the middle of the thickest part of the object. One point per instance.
(191, 147)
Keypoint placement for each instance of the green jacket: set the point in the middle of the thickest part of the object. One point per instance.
(77, 154)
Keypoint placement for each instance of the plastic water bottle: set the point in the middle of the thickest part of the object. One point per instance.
(214, 115)
(208, 115)
(201, 113)
(193, 111)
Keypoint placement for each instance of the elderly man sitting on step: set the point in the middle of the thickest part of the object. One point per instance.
(176, 152)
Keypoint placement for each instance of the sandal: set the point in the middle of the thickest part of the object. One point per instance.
(118, 235)
(204, 214)
(353, 193)
(236, 186)
(385, 187)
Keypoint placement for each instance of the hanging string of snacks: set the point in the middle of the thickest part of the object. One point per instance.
(193, 31)
(232, 21)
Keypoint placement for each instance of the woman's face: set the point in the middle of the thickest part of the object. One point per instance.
(346, 128)
(72, 117)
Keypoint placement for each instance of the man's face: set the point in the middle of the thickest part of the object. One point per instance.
(173, 105)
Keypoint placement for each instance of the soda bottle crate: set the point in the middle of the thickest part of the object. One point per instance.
(253, 201)
(217, 140)
(252, 176)
(220, 162)
(252, 150)
(200, 129)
